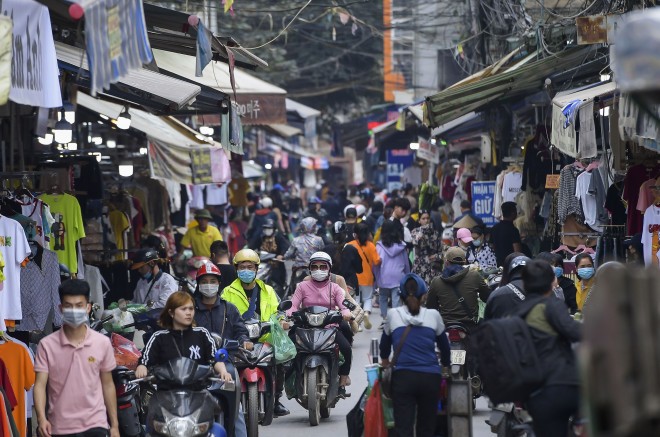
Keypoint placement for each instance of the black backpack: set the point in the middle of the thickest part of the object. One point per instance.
(508, 364)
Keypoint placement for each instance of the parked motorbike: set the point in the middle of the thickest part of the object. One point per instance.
(182, 404)
(316, 365)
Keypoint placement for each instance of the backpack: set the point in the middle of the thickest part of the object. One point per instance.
(508, 364)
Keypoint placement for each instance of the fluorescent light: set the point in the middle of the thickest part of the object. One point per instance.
(47, 139)
(97, 140)
(72, 146)
(124, 120)
(143, 150)
(206, 130)
(103, 116)
(268, 166)
(98, 158)
(414, 146)
(62, 132)
(126, 170)
(604, 77)
(111, 144)
(433, 141)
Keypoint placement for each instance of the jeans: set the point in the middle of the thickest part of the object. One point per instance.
(384, 294)
(240, 428)
(365, 295)
(415, 392)
(552, 407)
(94, 432)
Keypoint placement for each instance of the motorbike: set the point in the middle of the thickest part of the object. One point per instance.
(182, 404)
(265, 270)
(257, 374)
(316, 364)
(225, 392)
(129, 408)
(458, 341)
(185, 268)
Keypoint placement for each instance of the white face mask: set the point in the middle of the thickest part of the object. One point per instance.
(74, 317)
(268, 232)
(209, 290)
(320, 275)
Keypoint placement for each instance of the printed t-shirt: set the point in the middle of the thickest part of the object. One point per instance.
(511, 186)
(201, 241)
(21, 373)
(651, 235)
(15, 249)
(67, 229)
(120, 225)
(34, 211)
(75, 405)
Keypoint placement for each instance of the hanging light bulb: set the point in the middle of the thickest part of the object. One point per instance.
(268, 166)
(206, 130)
(111, 144)
(124, 120)
(69, 112)
(47, 139)
(72, 146)
(63, 132)
(126, 170)
(143, 150)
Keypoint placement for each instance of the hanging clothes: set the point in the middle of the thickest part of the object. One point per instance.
(569, 204)
(15, 249)
(67, 229)
(588, 201)
(5, 384)
(40, 280)
(635, 177)
(21, 373)
(651, 236)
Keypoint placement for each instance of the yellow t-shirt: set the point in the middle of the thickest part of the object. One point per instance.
(120, 226)
(67, 229)
(201, 241)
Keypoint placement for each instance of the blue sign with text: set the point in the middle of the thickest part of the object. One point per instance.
(483, 201)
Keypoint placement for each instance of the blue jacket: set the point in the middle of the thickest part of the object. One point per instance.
(223, 319)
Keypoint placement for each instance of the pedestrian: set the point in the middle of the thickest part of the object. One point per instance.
(506, 300)
(301, 249)
(375, 215)
(220, 257)
(427, 243)
(393, 266)
(401, 208)
(414, 332)
(553, 332)
(479, 250)
(201, 236)
(567, 285)
(504, 236)
(74, 378)
(370, 259)
(584, 265)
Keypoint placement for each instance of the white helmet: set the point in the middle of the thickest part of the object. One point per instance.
(266, 202)
(361, 210)
(349, 206)
(320, 256)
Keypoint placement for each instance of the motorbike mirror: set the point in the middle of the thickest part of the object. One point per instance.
(285, 305)
(222, 356)
(348, 304)
(217, 339)
(230, 345)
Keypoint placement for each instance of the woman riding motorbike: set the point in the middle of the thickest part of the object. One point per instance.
(321, 291)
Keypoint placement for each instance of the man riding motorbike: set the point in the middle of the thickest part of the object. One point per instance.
(253, 298)
(273, 241)
(508, 298)
(321, 291)
(155, 285)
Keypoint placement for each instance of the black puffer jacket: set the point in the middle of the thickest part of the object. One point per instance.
(553, 331)
(504, 301)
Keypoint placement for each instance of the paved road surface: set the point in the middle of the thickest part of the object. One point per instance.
(296, 424)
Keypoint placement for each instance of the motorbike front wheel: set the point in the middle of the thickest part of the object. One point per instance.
(313, 401)
(252, 418)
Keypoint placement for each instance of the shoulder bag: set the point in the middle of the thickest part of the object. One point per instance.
(466, 308)
(386, 372)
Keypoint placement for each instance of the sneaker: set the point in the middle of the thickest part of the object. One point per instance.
(360, 328)
(366, 321)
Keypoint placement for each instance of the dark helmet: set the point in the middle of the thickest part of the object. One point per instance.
(269, 223)
(519, 261)
(143, 257)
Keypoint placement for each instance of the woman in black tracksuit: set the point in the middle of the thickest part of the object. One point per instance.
(180, 339)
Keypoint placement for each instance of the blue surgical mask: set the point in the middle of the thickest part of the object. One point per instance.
(148, 276)
(476, 243)
(559, 271)
(586, 272)
(246, 276)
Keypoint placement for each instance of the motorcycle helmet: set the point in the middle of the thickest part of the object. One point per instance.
(208, 269)
(361, 210)
(269, 223)
(246, 255)
(519, 261)
(320, 256)
(143, 257)
(266, 202)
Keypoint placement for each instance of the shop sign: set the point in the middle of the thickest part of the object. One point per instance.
(483, 201)
(597, 29)
(398, 161)
(428, 152)
(34, 71)
(552, 182)
(261, 108)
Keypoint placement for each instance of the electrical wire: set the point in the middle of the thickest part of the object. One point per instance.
(566, 17)
(283, 30)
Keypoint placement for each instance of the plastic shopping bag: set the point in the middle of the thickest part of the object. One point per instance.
(285, 350)
(126, 354)
(374, 421)
(355, 417)
(388, 411)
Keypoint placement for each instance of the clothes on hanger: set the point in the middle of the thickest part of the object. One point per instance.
(40, 280)
(651, 236)
(21, 373)
(15, 249)
(569, 204)
(67, 229)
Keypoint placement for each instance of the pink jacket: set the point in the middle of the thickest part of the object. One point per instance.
(311, 293)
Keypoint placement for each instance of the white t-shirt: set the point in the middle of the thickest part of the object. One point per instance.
(588, 201)
(511, 186)
(216, 195)
(651, 236)
(15, 248)
(197, 200)
(33, 210)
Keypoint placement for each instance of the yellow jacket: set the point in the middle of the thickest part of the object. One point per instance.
(268, 301)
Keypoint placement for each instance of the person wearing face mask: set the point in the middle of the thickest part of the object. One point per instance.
(255, 299)
(321, 291)
(75, 364)
(479, 251)
(584, 265)
(154, 286)
(273, 241)
(567, 285)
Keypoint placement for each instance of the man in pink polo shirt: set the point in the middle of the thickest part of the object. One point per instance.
(75, 363)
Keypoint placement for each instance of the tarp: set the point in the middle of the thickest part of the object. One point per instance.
(6, 39)
(176, 152)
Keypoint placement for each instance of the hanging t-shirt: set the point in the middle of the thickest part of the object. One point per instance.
(646, 195)
(15, 249)
(651, 236)
(197, 196)
(67, 229)
(21, 373)
(120, 225)
(589, 205)
(216, 194)
(238, 189)
(511, 186)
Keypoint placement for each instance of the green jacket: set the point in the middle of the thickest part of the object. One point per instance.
(269, 301)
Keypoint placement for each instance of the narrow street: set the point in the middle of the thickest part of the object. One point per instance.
(297, 425)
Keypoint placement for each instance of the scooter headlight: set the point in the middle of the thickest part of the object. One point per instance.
(315, 319)
(181, 427)
(253, 330)
(202, 428)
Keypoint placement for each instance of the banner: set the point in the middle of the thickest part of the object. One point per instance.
(397, 161)
(483, 201)
(34, 71)
(428, 152)
(186, 165)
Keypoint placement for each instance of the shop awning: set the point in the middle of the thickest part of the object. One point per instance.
(176, 152)
(303, 111)
(253, 170)
(482, 89)
(143, 83)
(258, 102)
(283, 130)
(565, 138)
